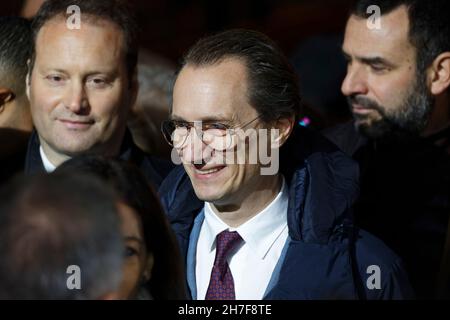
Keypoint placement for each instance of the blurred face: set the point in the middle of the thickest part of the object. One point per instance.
(79, 89)
(138, 263)
(216, 93)
(384, 88)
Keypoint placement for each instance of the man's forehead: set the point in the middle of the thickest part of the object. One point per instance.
(226, 80)
(57, 26)
(209, 93)
(391, 39)
(101, 43)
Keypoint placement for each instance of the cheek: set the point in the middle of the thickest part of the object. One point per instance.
(390, 92)
(109, 105)
(44, 99)
(240, 174)
(131, 276)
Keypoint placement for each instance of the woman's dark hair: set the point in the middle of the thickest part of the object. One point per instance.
(167, 281)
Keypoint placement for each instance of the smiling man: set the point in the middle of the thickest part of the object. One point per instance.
(82, 84)
(397, 84)
(250, 235)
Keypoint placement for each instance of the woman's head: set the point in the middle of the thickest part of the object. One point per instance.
(138, 260)
(152, 259)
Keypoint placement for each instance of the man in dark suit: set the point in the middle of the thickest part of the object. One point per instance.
(82, 83)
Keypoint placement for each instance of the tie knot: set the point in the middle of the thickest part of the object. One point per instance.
(225, 242)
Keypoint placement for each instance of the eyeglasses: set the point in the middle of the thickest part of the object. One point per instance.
(216, 135)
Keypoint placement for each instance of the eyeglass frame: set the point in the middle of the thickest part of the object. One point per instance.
(192, 124)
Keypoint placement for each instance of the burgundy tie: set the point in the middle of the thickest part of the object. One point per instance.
(221, 285)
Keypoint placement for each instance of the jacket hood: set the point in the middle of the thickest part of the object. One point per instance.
(323, 185)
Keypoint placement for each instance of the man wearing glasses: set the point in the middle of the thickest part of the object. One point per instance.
(251, 234)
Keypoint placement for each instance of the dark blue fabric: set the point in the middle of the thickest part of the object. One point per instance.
(326, 256)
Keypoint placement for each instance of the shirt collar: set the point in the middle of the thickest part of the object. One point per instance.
(49, 167)
(261, 231)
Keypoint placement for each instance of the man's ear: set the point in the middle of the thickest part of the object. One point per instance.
(28, 80)
(440, 74)
(6, 96)
(285, 127)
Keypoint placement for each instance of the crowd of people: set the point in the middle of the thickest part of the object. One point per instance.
(123, 176)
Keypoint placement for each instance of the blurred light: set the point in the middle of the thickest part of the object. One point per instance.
(305, 122)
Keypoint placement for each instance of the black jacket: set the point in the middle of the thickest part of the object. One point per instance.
(153, 168)
(404, 198)
(13, 148)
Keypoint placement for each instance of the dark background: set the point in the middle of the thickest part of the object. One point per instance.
(308, 31)
(169, 27)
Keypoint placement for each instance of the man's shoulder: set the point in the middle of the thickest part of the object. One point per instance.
(175, 185)
(380, 269)
(154, 168)
(371, 249)
(345, 137)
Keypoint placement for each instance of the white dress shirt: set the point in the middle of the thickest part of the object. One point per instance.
(49, 167)
(252, 263)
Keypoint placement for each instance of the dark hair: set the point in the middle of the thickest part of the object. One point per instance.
(429, 25)
(273, 85)
(15, 47)
(115, 11)
(50, 222)
(167, 280)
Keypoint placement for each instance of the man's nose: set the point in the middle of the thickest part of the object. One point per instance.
(355, 82)
(195, 151)
(76, 99)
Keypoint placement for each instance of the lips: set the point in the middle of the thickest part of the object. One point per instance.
(357, 108)
(76, 124)
(203, 173)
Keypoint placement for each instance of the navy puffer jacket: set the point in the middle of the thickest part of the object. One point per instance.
(325, 256)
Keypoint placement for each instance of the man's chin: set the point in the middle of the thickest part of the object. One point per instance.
(373, 129)
(73, 150)
(207, 195)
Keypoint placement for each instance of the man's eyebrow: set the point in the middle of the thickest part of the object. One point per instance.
(50, 69)
(176, 118)
(346, 55)
(375, 60)
(368, 60)
(203, 119)
(108, 72)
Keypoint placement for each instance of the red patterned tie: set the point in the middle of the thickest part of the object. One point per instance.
(221, 285)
